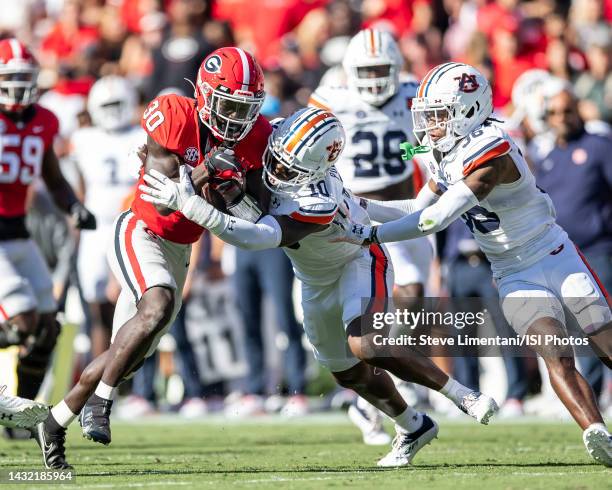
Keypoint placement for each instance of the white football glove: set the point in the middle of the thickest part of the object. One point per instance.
(161, 190)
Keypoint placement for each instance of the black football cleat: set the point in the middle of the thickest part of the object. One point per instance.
(95, 420)
(52, 444)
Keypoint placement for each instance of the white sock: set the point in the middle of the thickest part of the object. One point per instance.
(455, 391)
(597, 425)
(409, 420)
(105, 391)
(62, 414)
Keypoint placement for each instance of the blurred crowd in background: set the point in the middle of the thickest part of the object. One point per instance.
(229, 339)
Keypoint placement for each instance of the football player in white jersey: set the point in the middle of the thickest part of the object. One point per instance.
(342, 284)
(479, 173)
(374, 108)
(104, 155)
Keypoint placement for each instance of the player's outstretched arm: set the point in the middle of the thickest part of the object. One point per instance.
(63, 195)
(385, 211)
(163, 161)
(459, 198)
(268, 232)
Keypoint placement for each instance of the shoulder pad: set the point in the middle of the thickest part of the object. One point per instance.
(166, 117)
(327, 98)
(50, 123)
(315, 209)
(484, 144)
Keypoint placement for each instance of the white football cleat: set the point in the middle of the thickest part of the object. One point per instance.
(16, 412)
(407, 444)
(369, 421)
(479, 406)
(598, 443)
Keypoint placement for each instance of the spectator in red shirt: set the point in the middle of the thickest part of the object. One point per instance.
(69, 37)
(259, 26)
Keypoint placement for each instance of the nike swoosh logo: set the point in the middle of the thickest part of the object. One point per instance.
(38, 129)
(45, 447)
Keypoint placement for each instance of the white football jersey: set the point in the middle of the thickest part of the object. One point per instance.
(109, 166)
(515, 224)
(315, 260)
(372, 157)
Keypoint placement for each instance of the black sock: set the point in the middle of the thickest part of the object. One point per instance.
(52, 425)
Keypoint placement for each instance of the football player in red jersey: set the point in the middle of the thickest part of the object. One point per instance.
(27, 130)
(151, 249)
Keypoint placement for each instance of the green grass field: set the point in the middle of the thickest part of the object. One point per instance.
(318, 452)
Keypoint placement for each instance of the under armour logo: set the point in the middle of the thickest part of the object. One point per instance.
(6, 416)
(358, 229)
(230, 226)
(275, 202)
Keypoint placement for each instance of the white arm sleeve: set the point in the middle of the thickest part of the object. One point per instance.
(458, 199)
(384, 211)
(266, 233)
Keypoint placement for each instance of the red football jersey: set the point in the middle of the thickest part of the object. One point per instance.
(172, 121)
(22, 148)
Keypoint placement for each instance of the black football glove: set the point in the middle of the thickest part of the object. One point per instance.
(83, 218)
(226, 175)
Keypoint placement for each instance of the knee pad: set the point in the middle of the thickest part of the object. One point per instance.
(584, 301)
(522, 309)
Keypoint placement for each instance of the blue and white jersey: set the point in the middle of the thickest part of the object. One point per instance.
(317, 261)
(515, 224)
(371, 159)
(109, 166)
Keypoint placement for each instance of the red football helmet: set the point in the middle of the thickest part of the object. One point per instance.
(229, 93)
(18, 74)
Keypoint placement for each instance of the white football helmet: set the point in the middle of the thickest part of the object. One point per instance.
(372, 63)
(301, 149)
(112, 103)
(528, 99)
(452, 100)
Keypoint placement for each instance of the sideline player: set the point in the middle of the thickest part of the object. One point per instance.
(479, 173)
(104, 157)
(27, 131)
(151, 246)
(374, 110)
(307, 196)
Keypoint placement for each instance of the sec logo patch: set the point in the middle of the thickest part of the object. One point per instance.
(213, 64)
(579, 156)
(191, 154)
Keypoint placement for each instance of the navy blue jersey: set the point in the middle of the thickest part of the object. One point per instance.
(578, 179)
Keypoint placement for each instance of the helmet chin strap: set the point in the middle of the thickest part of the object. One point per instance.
(195, 91)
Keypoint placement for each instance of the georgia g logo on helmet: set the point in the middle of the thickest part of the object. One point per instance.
(213, 64)
(467, 83)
